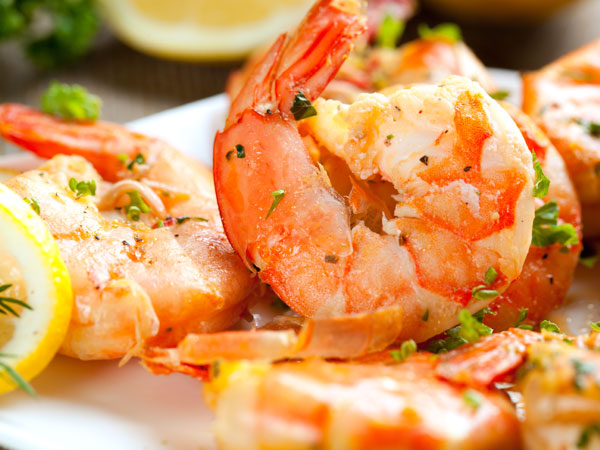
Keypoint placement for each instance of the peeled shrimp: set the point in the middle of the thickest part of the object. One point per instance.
(457, 172)
(135, 283)
(564, 98)
(316, 404)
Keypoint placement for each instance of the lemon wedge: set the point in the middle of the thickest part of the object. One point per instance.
(35, 293)
(201, 29)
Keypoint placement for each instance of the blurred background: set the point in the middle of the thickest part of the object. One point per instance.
(161, 66)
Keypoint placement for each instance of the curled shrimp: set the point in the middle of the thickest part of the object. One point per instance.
(316, 404)
(440, 188)
(136, 283)
(451, 400)
(564, 98)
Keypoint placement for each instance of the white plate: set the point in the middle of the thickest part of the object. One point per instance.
(96, 405)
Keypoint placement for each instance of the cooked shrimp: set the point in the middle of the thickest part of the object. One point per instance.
(315, 404)
(560, 385)
(457, 172)
(135, 284)
(548, 271)
(564, 99)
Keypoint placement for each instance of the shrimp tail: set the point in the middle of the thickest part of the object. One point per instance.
(46, 136)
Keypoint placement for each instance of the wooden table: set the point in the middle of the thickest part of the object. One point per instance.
(133, 85)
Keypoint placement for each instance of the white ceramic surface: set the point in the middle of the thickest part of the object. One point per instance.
(96, 405)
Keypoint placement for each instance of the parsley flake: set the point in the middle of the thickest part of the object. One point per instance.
(481, 292)
(139, 160)
(277, 197)
(595, 326)
(443, 32)
(34, 204)
(542, 183)
(490, 275)
(471, 329)
(472, 399)
(406, 349)
(136, 206)
(549, 326)
(499, 95)
(592, 128)
(390, 31)
(546, 230)
(523, 312)
(302, 107)
(71, 102)
(586, 434)
(82, 188)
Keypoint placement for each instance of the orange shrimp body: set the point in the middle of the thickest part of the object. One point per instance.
(459, 172)
(564, 100)
(135, 283)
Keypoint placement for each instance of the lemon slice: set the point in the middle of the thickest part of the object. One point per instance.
(201, 29)
(31, 264)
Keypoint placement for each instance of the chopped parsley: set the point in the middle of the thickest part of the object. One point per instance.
(16, 377)
(549, 326)
(71, 102)
(277, 197)
(546, 230)
(5, 303)
(582, 368)
(499, 95)
(482, 293)
(471, 329)
(523, 312)
(82, 188)
(490, 275)
(302, 107)
(593, 128)
(406, 349)
(595, 326)
(472, 399)
(390, 31)
(136, 206)
(34, 204)
(542, 183)
(586, 434)
(139, 160)
(443, 32)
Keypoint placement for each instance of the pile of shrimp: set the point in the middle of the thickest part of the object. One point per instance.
(381, 207)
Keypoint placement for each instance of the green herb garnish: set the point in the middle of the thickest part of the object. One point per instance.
(52, 32)
(586, 434)
(136, 206)
(406, 349)
(472, 399)
(595, 326)
(302, 107)
(425, 316)
(593, 128)
(523, 312)
(277, 197)
(34, 204)
(390, 31)
(582, 368)
(444, 31)
(549, 326)
(481, 292)
(82, 188)
(5, 303)
(71, 102)
(139, 160)
(546, 230)
(490, 275)
(542, 183)
(499, 95)
(471, 329)
(14, 375)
